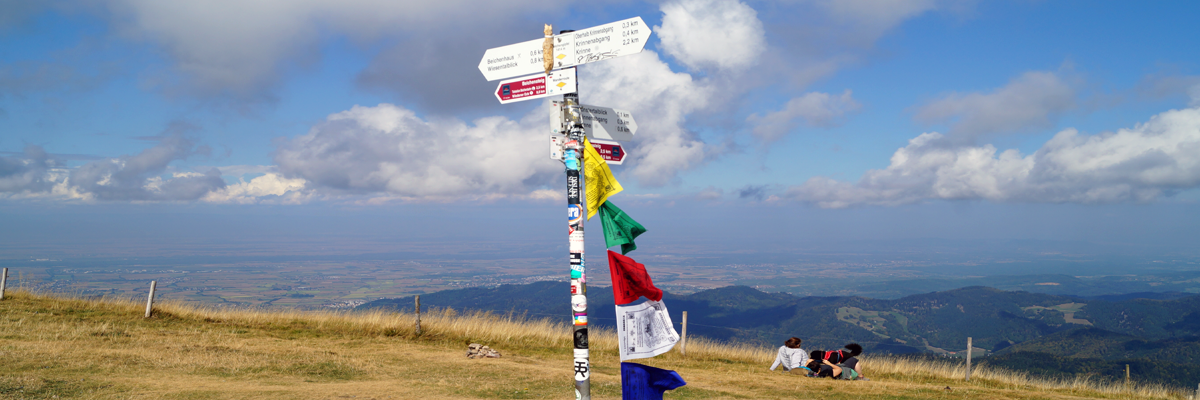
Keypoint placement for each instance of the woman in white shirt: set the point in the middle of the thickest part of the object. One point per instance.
(792, 357)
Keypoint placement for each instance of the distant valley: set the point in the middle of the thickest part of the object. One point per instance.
(1048, 334)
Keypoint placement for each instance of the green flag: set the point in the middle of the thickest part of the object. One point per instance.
(619, 229)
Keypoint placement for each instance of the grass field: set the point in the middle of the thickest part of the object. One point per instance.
(61, 347)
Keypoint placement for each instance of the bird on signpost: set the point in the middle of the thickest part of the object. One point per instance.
(548, 49)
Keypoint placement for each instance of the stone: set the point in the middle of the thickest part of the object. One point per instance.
(476, 350)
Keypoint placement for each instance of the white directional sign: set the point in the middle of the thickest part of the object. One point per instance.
(608, 123)
(536, 86)
(600, 123)
(598, 43)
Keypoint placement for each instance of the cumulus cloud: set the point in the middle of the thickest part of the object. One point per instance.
(814, 108)
(1153, 159)
(388, 149)
(660, 101)
(719, 34)
(139, 177)
(29, 172)
(1033, 100)
(267, 188)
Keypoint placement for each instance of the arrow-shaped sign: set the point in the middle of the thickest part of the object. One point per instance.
(593, 44)
(599, 123)
(536, 86)
(607, 123)
(612, 152)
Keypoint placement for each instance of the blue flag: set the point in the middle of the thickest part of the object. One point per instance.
(641, 382)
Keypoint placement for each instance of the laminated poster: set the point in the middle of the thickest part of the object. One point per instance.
(645, 330)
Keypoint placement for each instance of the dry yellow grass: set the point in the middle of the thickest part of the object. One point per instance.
(77, 348)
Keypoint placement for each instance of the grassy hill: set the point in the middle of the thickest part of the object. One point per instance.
(57, 347)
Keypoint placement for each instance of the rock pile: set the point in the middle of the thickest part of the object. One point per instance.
(476, 350)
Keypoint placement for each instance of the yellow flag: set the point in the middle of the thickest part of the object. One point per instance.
(599, 179)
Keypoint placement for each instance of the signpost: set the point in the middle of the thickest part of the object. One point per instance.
(536, 86)
(570, 122)
(593, 44)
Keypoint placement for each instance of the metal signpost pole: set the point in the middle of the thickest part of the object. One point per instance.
(554, 58)
(573, 158)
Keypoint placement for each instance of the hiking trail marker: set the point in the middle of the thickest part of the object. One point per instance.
(612, 152)
(570, 123)
(536, 86)
(584, 46)
(603, 126)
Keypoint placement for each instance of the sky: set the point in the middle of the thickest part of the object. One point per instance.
(793, 124)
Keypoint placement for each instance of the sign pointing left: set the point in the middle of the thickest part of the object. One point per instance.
(536, 86)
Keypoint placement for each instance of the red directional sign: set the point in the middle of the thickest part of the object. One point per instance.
(612, 152)
(536, 86)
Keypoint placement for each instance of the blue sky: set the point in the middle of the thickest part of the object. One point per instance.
(853, 113)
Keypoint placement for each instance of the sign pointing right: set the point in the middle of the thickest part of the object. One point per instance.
(608, 123)
(601, 123)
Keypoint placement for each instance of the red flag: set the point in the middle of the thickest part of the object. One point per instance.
(630, 280)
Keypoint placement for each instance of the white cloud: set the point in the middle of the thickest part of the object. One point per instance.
(388, 149)
(268, 188)
(1033, 100)
(29, 172)
(660, 101)
(35, 174)
(815, 108)
(720, 34)
(1150, 160)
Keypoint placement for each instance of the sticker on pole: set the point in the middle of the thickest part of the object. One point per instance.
(536, 86)
(611, 152)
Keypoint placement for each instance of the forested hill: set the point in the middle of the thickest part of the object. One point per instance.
(937, 322)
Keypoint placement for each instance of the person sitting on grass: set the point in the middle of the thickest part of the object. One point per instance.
(850, 369)
(792, 357)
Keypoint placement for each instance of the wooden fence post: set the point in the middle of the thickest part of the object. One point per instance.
(417, 300)
(3, 282)
(683, 339)
(969, 346)
(150, 299)
(1126, 374)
